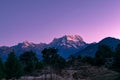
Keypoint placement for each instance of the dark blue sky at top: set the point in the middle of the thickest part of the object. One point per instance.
(42, 20)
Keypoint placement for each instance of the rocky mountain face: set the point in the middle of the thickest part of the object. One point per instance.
(66, 45)
(29, 46)
(68, 41)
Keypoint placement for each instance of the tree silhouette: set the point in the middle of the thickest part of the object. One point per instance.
(71, 60)
(88, 59)
(13, 67)
(102, 53)
(2, 73)
(53, 60)
(29, 61)
(117, 58)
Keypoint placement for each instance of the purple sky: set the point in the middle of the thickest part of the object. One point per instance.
(42, 20)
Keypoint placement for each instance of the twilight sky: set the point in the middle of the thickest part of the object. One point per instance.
(42, 20)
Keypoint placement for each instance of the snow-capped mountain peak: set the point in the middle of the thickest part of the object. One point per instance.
(71, 41)
(26, 44)
(66, 45)
(73, 38)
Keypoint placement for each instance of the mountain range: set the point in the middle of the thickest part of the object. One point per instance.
(67, 45)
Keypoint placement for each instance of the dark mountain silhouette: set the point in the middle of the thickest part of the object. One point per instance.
(91, 49)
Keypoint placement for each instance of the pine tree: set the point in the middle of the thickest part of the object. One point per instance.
(2, 74)
(117, 59)
(52, 58)
(102, 53)
(71, 60)
(13, 68)
(29, 61)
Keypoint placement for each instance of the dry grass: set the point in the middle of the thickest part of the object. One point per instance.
(84, 73)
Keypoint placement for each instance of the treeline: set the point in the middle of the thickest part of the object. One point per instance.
(14, 67)
(104, 56)
(28, 63)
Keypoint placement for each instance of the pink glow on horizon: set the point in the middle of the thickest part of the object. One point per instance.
(42, 20)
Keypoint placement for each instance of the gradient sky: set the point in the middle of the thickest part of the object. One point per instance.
(42, 20)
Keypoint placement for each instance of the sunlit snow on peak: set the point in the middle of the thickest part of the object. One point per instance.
(73, 38)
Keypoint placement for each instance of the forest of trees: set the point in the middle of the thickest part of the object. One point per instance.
(28, 63)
